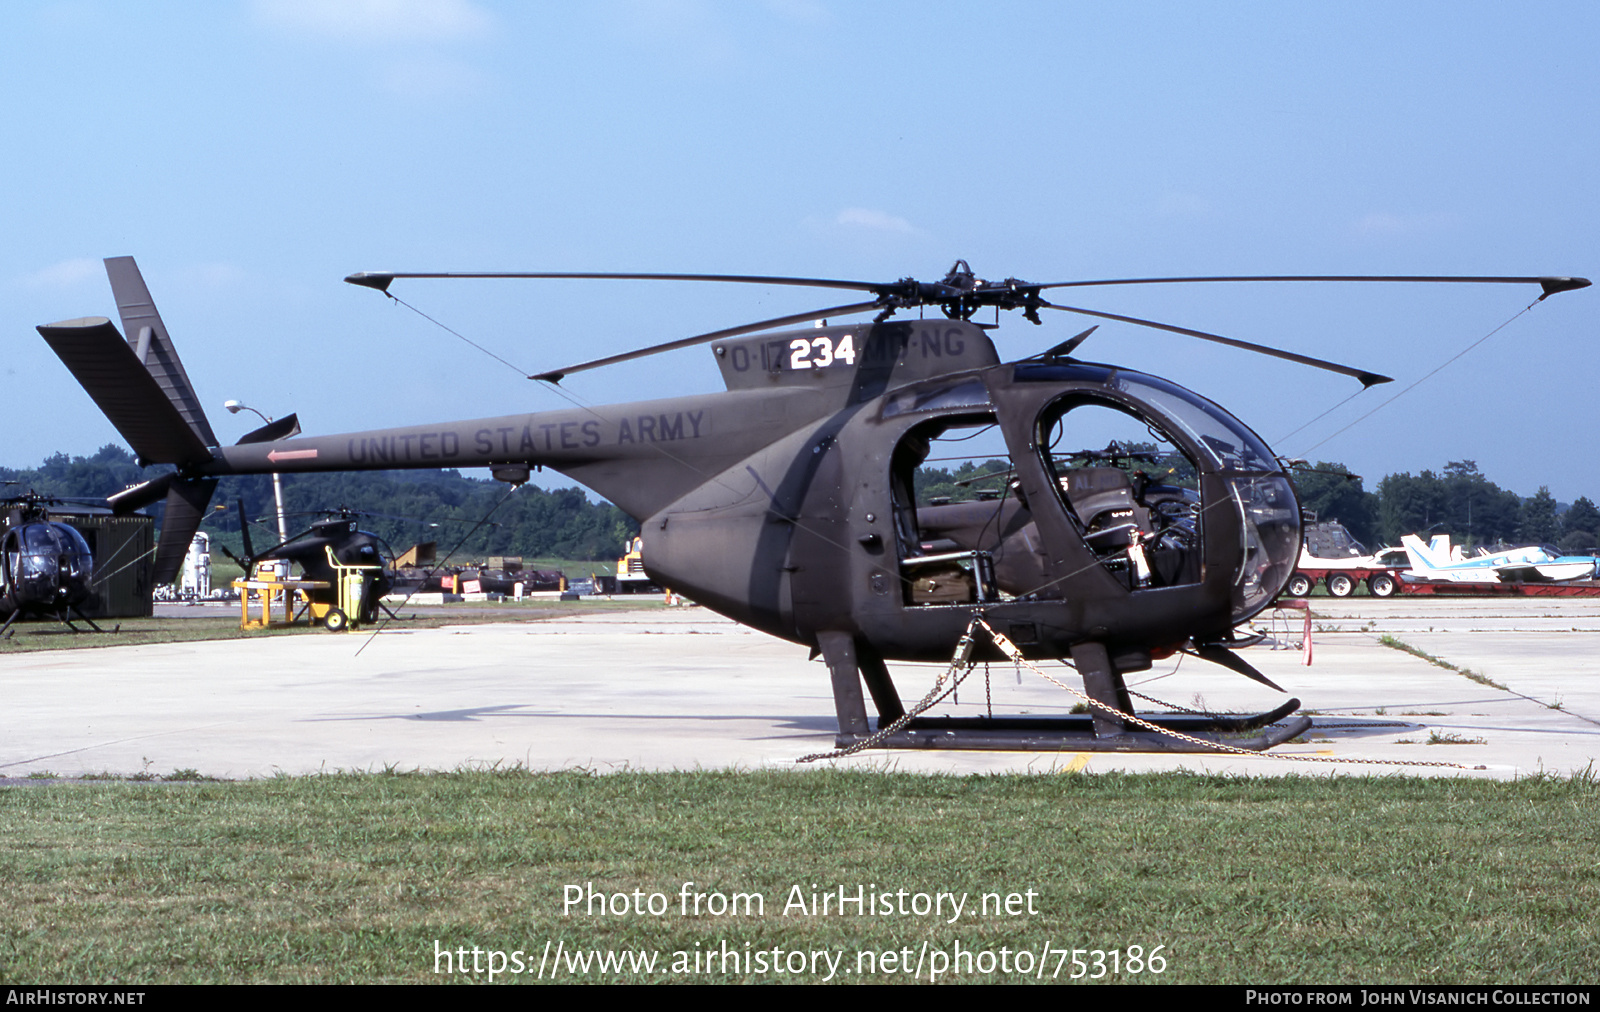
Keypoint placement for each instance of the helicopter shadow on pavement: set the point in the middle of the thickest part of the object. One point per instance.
(814, 724)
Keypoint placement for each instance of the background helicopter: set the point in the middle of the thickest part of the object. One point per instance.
(46, 568)
(361, 568)
(788, 504)
(355, 564)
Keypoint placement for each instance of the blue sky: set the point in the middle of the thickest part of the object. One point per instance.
(251, 154)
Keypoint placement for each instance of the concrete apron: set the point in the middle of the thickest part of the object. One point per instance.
(686, 689)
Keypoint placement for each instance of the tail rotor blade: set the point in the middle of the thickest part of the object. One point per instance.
(139, 496)
(244, 529)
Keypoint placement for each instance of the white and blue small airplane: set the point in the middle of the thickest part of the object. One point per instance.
(1533, 564)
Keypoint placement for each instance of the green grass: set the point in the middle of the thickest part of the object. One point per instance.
(49, 635)
(354, 878)
(1449, 738)
(224, 571)
(1477, 676)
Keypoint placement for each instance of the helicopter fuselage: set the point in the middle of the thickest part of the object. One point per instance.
(785, 503)
(46, 568)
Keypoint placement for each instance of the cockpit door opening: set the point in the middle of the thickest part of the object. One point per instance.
(1133, 494)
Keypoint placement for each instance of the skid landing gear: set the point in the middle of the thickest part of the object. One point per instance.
(1077, 734)
(61, 616)
(1111, 725)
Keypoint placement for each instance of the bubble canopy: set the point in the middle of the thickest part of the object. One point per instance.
(1261, 496)
(1224, 442)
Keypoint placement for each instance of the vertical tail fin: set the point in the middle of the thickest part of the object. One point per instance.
(151, 344)
(1422, 558)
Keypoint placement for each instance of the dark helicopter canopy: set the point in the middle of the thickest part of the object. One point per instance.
(1219, 442)
(339, 536)
(45, 565)
(41, 539)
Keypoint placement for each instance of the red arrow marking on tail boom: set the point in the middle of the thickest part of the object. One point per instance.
(277, 455)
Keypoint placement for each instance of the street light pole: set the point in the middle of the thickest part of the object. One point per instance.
(234, 407)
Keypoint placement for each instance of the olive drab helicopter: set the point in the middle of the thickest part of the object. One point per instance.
(788, 501)
(46, 567)
(352, 564)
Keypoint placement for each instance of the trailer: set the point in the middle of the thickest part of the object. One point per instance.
(1381, 581)
(1332, 557)
(1444, 588)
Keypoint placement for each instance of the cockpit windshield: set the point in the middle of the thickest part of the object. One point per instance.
(1231, 446)
(73, 540)
(38, 538)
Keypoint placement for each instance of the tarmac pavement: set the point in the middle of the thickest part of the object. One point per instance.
(683, 688)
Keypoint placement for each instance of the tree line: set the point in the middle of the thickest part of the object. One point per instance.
(1458, 501)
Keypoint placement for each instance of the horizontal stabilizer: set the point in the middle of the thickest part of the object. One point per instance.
(148, 338)
(283, 428)
(137, 497)
(128, 394)
(186, 507)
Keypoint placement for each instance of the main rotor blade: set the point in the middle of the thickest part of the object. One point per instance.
(1551, 285)
(381, 279)
(1367, 378)
(556, 375)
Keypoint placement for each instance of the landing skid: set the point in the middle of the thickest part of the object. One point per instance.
(1111, 726)
(1078, 734)
(61, 616)
(64, 620)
